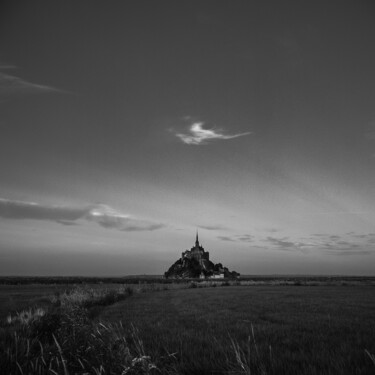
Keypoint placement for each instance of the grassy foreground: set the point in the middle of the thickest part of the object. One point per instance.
(210, 330)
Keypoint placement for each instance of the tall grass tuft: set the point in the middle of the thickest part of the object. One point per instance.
(249, 360)
(371, 356)
(26, 316)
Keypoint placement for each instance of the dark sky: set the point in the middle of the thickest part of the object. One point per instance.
(126, 125)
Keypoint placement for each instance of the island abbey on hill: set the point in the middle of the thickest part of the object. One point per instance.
(195, 263)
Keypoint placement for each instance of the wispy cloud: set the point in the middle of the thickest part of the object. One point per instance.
(11, 85)
(107, 217)
(10, 209)
(212, 227)
(197, 135)
(237, 238)
(103, 215)
(245, 238)
(283, 244)
(328, 244)
(226, 238)
(340, 245)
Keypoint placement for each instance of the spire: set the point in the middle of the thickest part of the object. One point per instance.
(196, 239)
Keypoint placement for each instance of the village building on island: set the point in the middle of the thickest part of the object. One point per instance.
(195, 263)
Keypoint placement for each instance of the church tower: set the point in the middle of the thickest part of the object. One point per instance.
(196, 240)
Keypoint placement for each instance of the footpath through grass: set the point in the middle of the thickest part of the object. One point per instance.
(257, 330)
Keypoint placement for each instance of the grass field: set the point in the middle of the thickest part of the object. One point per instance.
(292, 330)
(268, 329)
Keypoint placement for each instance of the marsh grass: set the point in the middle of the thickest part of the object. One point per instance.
(293, 330)
(204, 329)
(88, 297)
(26, 316)
(69, 338)
(65, 340)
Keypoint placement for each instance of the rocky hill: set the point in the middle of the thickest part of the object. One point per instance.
(195, 263)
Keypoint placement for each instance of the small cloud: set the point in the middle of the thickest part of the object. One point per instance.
(237, 238)
(333, 237)
(337, 245)
(285, 245)
(212, 227)
(107, 217)
(199, 136)
(343, 243)
(281, 243)
(11, 85)
(245, 238)
(103, 215)
(225, 238)
(348, 250)
(67, 223)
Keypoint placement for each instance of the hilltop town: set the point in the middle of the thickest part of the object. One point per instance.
(195, 263)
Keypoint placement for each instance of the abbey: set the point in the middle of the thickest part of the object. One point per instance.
(195, 263)
(196, 252)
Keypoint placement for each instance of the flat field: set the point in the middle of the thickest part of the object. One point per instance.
(281, 329)
(236, 329)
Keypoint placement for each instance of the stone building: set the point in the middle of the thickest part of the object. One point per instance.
(196, 252)
(196, 263)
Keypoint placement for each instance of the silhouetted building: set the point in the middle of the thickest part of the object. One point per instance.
(195, 263)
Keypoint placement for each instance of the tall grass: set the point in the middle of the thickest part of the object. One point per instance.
(196, 331)
(64, 340)
(26, 316)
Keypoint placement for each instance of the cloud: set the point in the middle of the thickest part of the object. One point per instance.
(245, 238)
(327, 244)
(211, 227)
(282, 243)
(67, 223)
(237, 238)
(107, 217)
(11, 85)
(360, 235)
(199, 136)
(103, 215)
(29, 210)
(226, 238)
(339, 245)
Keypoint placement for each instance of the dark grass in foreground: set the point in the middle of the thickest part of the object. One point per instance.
(64, 340)
(212, 330)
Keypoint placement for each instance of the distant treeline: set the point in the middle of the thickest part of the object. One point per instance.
(155, 279)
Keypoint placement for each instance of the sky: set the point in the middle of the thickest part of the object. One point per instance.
(128, 125)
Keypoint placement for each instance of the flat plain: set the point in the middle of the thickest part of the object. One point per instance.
(282, 329)
(229, 328)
